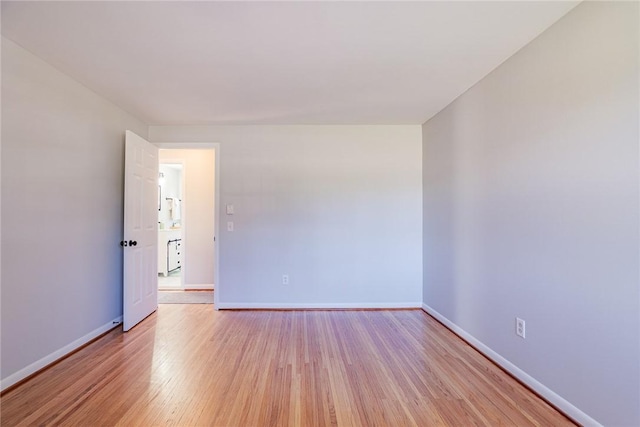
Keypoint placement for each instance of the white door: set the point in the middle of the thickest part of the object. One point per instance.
(140, 244)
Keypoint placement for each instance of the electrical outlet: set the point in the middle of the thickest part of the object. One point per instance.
(285, 279)
(520, 327)
(230, 226)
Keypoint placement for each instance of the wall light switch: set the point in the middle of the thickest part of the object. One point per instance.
(229, 209)
(230, 226)
(520, 327)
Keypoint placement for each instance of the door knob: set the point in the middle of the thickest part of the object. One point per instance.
(132, 243)
(123, 243)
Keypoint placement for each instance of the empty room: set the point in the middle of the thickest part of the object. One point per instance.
(421, 213)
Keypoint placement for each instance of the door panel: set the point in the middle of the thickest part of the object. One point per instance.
(140, 297)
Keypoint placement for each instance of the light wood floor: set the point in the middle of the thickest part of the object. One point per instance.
(189, 365)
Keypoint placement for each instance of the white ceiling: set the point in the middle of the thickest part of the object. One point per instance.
(265, 62)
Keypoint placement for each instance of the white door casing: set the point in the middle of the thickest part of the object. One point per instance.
(140, 244)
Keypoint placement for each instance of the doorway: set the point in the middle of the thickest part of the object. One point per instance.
(187, 226)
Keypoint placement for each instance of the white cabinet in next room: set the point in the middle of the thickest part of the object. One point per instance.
(169, 250)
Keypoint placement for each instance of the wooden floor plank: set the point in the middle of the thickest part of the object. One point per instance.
(189, 365)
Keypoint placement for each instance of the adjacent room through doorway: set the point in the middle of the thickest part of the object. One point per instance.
(186, 225)
(170, 222)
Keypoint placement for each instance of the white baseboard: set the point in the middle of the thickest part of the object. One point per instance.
(58, 354)
(327, 306)
(195, 287)
(555, 399)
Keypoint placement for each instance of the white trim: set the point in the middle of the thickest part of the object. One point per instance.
(201, 286)
(555, 399)
(58, 354)
(293, 306)
(185, 145)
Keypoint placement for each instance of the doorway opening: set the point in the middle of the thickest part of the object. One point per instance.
(187, 258)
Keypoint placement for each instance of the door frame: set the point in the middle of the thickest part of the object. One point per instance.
(216, 200)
